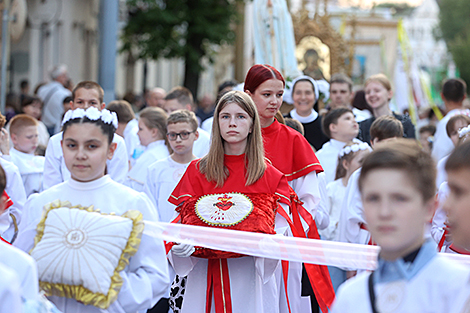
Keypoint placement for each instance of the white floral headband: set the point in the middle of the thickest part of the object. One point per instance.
(93, 114)
(354, 148)
(464, 131)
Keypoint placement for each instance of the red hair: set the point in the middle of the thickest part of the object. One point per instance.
(260, 73)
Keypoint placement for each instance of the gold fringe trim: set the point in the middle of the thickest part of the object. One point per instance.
(80, 293)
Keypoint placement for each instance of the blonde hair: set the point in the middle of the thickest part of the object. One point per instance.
(183, 116)
(212, 165)
(154, 117)
(381, 79)
(20, 121)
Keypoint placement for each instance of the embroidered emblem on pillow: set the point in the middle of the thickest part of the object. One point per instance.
(80, 252)
(223, 209)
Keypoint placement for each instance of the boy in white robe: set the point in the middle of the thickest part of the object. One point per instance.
(164, 175)
(397, 184)
(352, 226)
(86, 94)
(341, 127)
(24, 136)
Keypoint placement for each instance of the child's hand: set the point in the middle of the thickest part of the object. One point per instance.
(4, 142)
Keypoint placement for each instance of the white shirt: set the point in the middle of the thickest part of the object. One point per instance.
(322, 218)
(361, 115)
(442, 145)
(54, 107)
(435, 288)
(441, 171)
(130, 137)
(328, 157)
(31, 168)
(202, 144)
(15, 191)
(207, 124)
(440, 217)
(24, 266)
(55, 170)
(335, 191)
(137, 176)
(162, 178)
(145, 279)
(10, 291)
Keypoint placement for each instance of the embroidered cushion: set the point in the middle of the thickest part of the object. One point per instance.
(237, 211)
(80, 252)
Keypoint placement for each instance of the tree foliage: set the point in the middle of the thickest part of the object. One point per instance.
(186, 29)
(454, 24)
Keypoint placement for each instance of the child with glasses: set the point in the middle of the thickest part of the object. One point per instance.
(163, 175)
(152, 135)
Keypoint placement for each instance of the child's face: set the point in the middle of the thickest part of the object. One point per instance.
(34, 109)
(346, 128)
(26, 140)
(86, 150)
(457, 206)
(179, 145)
(454, 135)
(85, 98)
(146, 135)
(395, 212)
(235, 125)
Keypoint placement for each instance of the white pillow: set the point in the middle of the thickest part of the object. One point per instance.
(80, 252)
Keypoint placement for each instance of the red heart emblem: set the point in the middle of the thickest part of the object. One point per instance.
(224, 206)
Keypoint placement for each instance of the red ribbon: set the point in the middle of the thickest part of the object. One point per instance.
(318, 275)
(218, 281)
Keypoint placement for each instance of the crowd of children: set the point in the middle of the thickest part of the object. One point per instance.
(76, 215)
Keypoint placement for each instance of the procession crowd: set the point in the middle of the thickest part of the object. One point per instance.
(83, 181)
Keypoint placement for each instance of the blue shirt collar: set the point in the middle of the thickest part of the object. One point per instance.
(388, 271)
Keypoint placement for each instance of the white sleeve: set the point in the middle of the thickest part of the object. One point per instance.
(322, 217)
(10, 291)
(352, 214)
(118, 166)
(308, 192)
(328, 233)
(149, 187)
(440, 215)
(52, 166)
(15, 190)
(146, 278)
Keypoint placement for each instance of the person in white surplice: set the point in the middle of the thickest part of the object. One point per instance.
(397, 184)
(87, 145)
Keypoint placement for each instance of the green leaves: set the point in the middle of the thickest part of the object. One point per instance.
(454, 24)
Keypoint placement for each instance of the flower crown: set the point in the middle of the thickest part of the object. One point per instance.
(93, 114)
(354, 148)
(464, 131)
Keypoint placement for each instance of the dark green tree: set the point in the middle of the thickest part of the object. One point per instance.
(454, 26)
(186, 29)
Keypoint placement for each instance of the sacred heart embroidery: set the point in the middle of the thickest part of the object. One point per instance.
(224, 203)
(223, 209)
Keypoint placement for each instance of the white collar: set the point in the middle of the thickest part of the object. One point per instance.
(304, 119)
(91, 185)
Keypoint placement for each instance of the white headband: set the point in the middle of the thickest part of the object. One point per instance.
(464, 131)
(93, 114)
(354, 148)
